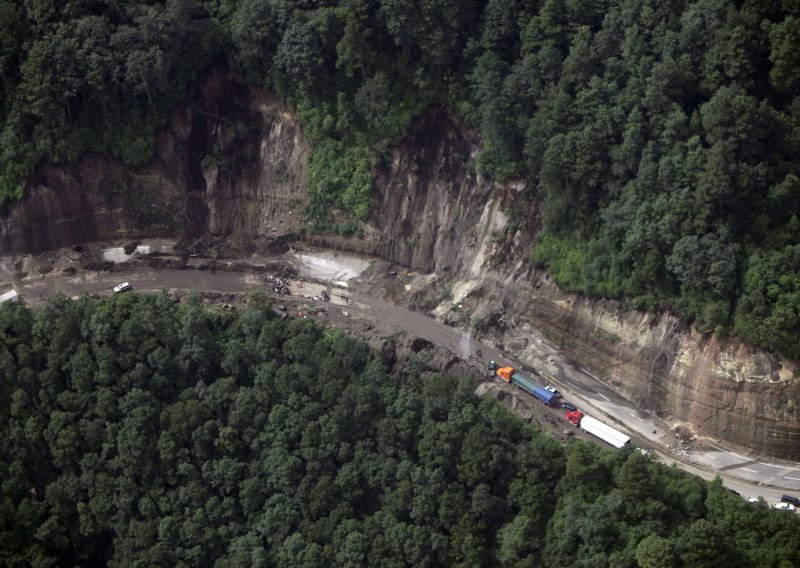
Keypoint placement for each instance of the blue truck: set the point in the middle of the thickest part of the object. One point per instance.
(544, 395)
(511, 375)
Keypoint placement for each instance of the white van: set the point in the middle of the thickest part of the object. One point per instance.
(124, 287)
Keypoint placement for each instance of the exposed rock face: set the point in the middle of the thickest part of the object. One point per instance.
(723, 388)
(97, 199)
(230, 168)
(431, 215)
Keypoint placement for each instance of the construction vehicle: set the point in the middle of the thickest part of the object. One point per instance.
(597, 428)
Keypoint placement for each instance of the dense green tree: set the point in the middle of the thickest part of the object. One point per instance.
(703, 545)
(655, 552)
(784, 38)
(298, 448)
(769, 310)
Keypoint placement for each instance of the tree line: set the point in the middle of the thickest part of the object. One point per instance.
(136, 431)
(659, 140)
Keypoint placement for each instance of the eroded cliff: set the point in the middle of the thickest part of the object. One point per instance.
(228, 168)
(229, 172)
(472, 240)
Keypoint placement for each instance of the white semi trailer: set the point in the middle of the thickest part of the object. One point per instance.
(596, 428)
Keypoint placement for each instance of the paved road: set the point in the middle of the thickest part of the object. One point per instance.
(741, 473)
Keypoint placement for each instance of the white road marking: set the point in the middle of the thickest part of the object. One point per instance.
(776, 465)
(710, 456)
(604, 396)
(758, 462)
(727, 452)
(637, 418)
(750, 470)
(778, 475)
(590, 374)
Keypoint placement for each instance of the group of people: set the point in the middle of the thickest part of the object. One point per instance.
(280, 287)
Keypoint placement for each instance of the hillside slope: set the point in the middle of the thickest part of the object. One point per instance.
(662, 139)
(429, 213)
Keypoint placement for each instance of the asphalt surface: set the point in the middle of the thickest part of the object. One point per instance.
(745, 474)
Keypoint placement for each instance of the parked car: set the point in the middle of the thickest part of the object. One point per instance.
(124, 287)
(568, 406)
(784, 506)
(553, 390)
(791, 499)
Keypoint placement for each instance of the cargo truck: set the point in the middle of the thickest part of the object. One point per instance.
(511, 375)
(597, 428)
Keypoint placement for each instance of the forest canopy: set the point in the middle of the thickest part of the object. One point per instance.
(660, 138)
(136, 431)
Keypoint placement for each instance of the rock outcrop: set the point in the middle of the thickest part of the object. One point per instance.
(230, 170)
